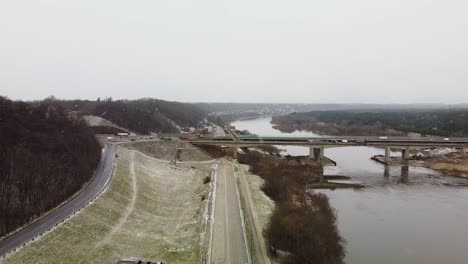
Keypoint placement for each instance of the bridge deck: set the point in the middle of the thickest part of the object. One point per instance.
(336, 141)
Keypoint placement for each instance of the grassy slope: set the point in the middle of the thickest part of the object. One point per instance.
(164, 223)
(263, 204)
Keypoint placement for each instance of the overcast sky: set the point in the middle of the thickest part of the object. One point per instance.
(333, 51)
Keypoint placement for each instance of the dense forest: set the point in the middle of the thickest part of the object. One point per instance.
(46, 155)
(442, 122)
(142, 116)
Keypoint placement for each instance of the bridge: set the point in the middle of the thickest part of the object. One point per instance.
(318, 145)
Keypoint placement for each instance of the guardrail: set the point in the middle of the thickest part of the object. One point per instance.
(63, 220)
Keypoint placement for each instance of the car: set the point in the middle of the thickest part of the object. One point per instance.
(383, 137)
(446, 139)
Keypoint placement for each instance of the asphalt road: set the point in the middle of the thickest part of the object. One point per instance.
(228, 244)
(102, 176)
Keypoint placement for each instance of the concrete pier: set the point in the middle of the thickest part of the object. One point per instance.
(387, 170)
(316, 154)
(387, 154)
(405, 153)
(404, 174)
(231, 152)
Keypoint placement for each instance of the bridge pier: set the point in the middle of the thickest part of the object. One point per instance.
(387, 154)
(463, 151)
(405, 153)
(231, 152)
(234, 153)
(316, 154)
(387, 170)
(404, 174)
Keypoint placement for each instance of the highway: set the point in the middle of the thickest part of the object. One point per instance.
(100, 180)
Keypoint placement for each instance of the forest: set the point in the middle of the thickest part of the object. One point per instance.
(142, 116)
(47, 154)
(441, 122)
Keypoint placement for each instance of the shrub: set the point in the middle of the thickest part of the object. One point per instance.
(207, 179)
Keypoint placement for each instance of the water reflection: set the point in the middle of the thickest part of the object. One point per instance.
(404, 174)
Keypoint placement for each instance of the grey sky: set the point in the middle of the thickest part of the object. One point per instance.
(365, 51)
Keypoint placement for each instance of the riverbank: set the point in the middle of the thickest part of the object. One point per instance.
(288, 124)
(453, 163)
(303, 225)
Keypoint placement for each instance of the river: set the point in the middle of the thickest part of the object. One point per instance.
(404, 216)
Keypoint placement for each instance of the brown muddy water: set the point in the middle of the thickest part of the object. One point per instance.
(405, 215)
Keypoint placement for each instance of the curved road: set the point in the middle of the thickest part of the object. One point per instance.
(100, 180)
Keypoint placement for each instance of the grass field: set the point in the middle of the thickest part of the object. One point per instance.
(152, 211)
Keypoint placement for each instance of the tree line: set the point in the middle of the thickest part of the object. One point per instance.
(47, 154)
(142, 116)
(439, 122)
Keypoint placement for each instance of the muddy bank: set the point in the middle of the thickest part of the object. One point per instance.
(453, 163)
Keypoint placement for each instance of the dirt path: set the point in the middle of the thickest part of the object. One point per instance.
(130, 207)
(228, 244)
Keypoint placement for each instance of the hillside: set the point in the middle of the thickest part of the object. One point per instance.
(144, 214)
(46, 156)
(100, 125)
(142, 116)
